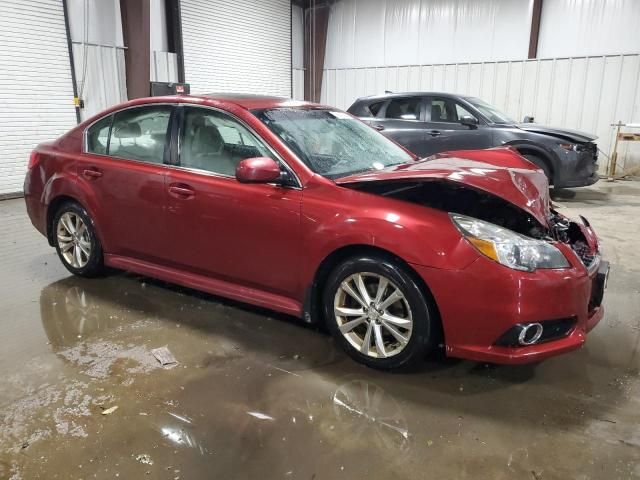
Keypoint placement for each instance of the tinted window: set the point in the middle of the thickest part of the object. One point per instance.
(216, 142)
(140, 133)
(404, 109)
(98, 136)
(447, 110)
(374, 108)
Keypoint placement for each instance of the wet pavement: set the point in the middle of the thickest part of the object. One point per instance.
(259, 395)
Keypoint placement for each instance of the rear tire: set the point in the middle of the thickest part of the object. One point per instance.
(378, 313)
(538, 161)
(75, 239)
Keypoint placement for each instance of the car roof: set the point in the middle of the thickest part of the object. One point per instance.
(386, 96)
(251, 101)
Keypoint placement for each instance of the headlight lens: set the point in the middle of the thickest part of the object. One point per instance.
(568, 146)
(507, 247)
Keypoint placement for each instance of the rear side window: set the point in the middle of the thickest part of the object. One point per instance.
(98, 136)
(140, 133)
(404, 109)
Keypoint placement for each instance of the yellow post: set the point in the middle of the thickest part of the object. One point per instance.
(614, 154)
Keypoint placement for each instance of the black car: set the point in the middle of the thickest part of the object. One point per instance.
(428, 123)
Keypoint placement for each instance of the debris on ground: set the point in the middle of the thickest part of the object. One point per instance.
(164, 356)
(144, 458)
(110, 410)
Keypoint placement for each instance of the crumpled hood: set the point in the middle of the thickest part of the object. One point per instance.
(562, 133)
(498, 171)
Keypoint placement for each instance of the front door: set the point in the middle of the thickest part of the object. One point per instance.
(124, 170)
(444, 131)
(243, 233)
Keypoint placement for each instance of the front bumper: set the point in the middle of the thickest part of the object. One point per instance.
(482, 302)
(576, 168)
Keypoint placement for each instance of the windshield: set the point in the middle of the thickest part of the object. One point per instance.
(332, 143)
(489, 111)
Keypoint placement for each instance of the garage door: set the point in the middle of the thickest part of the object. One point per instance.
(237, 46)
(36, 93)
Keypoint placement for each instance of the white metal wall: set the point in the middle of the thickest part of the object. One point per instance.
(367, 33)
(570, 28)
(585, 93)
(237, 45)
(36, 93)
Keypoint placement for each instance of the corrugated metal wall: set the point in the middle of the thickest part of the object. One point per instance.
(585, 93)
(36, 93)
(237, 45)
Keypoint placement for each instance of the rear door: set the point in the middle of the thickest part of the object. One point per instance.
(402, 120)
(443, 130)
(123, 167)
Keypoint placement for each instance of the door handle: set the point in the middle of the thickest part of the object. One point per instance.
(434, 133)
(378, 127)
(92, 173)
(181, 191)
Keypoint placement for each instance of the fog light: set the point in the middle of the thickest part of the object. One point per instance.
(530, 333)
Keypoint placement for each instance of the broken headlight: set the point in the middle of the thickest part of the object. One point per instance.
(507, 247)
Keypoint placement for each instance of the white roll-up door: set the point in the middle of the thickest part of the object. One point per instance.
(36, 93)
(239, 46)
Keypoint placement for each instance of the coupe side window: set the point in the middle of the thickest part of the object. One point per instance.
(98, 136)
(445, 110)
(404, 109)
(215, 142)
(140, 133)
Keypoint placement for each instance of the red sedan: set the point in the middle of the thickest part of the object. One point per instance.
(306, 210)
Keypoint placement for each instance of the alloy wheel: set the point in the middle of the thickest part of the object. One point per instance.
(373, 315)
(74, 240)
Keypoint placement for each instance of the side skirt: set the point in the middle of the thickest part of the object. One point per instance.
(214, 286)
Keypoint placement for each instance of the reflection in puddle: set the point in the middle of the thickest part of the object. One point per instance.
(372, 413)
(181, 434)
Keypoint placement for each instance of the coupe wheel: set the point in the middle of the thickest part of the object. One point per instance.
(378, 313)
(76, 242)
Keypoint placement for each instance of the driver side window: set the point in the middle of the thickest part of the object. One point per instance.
(446, 110)
(216, 142)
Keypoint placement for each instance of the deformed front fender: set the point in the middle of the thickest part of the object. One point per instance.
(416, 234)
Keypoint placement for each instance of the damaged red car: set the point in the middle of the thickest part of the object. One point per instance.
(305, 210)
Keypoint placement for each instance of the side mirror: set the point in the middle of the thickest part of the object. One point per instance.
(528, 119)
(258, 170)
(469, 121)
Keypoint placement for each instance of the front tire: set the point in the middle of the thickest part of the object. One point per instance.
(377, 312)
(542, 164)
(76, 241)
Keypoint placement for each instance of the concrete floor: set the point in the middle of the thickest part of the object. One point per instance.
(256, 395)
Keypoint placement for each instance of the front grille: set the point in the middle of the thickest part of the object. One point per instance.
(590, 148)
(598, 285)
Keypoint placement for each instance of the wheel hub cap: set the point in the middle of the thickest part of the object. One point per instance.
(73, 239)
(373, 315)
